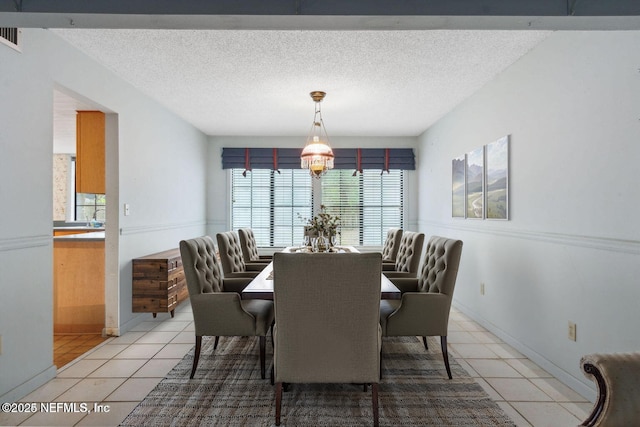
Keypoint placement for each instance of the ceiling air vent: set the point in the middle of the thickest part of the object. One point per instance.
(10, 37)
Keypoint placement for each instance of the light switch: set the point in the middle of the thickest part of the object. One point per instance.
(126, 209)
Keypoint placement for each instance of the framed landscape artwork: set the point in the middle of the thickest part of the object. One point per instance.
(458, 196)
(497, 179)
(475, 183)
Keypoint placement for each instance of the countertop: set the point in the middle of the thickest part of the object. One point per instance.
(84, 237)
(78, 227)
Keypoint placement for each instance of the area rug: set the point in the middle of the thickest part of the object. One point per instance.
(227, 390)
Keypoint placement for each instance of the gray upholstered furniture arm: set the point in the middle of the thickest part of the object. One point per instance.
(255, 266)
(400, 274)
(235, 284)
(388, 265)
(224, 310)
(617, 376)
(405, 284)
(421, 313)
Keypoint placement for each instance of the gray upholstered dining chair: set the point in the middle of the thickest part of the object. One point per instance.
(233, 264)
(215, 302)
(390, 248)
(327, 325)
(617, 376)
(424, 307)
(408, 257)
(250, 248)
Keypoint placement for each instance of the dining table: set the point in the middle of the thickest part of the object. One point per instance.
(261, 287)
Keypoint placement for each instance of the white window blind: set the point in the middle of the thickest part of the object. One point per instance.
(275, 205)
(368, 204)
(269, 203)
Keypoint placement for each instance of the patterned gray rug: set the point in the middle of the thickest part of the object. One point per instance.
(227, 391)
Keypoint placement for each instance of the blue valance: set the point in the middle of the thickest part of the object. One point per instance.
(356, 159)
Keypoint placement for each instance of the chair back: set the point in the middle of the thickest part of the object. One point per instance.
(408, 258)
(440, 266)
(200, 265)
(248, 244)
(327, 317)
(391, 244)
(230, 252)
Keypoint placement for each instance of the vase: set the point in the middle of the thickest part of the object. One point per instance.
(321, 243)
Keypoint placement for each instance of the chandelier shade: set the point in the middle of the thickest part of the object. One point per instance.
(317, 155)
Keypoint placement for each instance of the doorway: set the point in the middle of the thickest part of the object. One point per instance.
(80, 230)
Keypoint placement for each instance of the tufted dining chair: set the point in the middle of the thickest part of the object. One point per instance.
(408, 258)
(617, 376)
(250, 248)
(390, 248)
(327, 327)
(215, 302)
(233, 264)
(424, 307)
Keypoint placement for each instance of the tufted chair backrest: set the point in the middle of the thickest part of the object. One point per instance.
(392, 244)
(248, 245)
(200, 265)
(440, 266)
(408, 258)
(230, 252)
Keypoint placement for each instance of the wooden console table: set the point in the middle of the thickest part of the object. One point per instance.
(158, 283)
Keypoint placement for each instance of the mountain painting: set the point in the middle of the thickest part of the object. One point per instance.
(475, 187)
(457, 188)
(497, 179)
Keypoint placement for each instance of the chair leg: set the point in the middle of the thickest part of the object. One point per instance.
(273, 374)
(445, 354)
(215, 344)
(196, 355)
(263, 343)
(380, 361)
(374, 403)
(278, 402)
(424, 341)
(273, 343)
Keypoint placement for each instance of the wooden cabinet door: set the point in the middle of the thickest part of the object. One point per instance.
(90, 156)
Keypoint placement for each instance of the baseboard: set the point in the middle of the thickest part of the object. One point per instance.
(30, 385)
(560, 374)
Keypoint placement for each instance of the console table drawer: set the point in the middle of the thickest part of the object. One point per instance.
(158, 283)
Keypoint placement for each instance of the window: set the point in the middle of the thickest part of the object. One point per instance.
(90, 206)
(276, 205)
(87, 206)
(271, 204)
(368, 204)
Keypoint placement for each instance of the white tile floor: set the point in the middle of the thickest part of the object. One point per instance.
(119, 373)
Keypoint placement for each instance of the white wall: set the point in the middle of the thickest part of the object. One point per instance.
(155, 161)
(218, 197)
(570, 250)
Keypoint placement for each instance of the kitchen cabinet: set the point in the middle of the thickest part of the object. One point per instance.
(90, 152)
(78, 284)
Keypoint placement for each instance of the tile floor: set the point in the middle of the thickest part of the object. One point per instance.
(119, 373)
(69, 347)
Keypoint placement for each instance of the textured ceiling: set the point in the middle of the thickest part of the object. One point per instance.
(253, 82)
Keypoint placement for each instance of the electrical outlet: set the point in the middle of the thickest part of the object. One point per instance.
(572, 331)
(481, 288)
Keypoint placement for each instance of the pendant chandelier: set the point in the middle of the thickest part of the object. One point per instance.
(317, 155)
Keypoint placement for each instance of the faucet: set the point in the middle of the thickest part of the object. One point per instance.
(95, 215)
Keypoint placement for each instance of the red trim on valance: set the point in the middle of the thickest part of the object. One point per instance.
(386, 161)
(247, 162)
(275, 160)
(358, 162)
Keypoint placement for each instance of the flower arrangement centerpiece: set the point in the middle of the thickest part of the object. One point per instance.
(324, 224)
